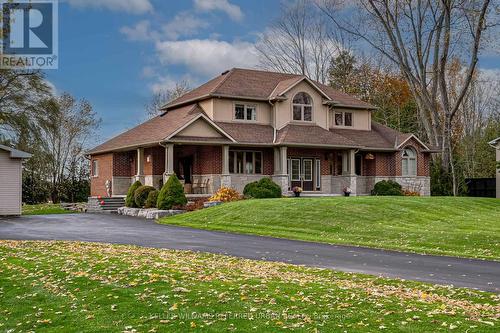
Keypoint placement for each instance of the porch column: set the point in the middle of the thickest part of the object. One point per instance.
(225, 180)
(277, 168)
(169, 162)
(352, 171)
(140, 165)
(281, 168)
(352, 162)
(345, 163)
(284, 161)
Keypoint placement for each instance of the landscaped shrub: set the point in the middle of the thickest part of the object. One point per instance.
(171, 194)
(387, 187)
(141, 195)
(225, 194)
(151, 200)
(130, 199)
(264, 188)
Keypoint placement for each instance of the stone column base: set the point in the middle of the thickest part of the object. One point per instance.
(140, 178)
(166, 176)
(353, 185)
(282, 181)
(225, 181)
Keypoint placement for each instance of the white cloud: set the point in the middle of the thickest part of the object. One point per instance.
(166, 82)
(233, 11)
(206, 56)
(129, 6)
(139, 32)
(183, 24)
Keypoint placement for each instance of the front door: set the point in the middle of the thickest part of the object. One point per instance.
(187, 169)
(307, 174)
(302, 173)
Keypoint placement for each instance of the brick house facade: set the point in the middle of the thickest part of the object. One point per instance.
(246, 124)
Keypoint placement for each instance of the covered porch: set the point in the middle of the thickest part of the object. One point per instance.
(204, 168)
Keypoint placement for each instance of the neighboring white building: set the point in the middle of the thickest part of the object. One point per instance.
(496, 144)
(11, 180)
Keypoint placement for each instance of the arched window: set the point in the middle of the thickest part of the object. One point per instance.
(302, 107)
(409, 162)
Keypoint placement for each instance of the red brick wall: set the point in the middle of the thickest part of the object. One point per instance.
(206, 159)
(423, 159)
(123, 164)
(326, 156)
(158, 155)
(97, 184)
(148, 166)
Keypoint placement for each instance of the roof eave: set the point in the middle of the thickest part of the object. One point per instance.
(121, 148)
(494, 143)
(340, 105)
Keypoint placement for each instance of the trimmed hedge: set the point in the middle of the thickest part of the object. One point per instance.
(141, 194)
(130, 199)
(171, 194)
(264, 188)
(151, 200)
(387, 187)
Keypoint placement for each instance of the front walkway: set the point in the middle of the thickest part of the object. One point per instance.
(484, 275)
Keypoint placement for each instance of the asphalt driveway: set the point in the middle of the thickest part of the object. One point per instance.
(478, 274)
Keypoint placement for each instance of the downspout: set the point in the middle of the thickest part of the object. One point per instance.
(274, 120)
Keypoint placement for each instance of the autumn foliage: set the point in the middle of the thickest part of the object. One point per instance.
(225, 194)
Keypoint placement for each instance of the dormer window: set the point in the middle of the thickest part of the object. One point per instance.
(343, 119)
(302, 107)
(245, 112)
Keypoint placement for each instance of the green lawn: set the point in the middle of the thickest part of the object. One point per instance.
(44, 209)
(75, 287)
(467, 227)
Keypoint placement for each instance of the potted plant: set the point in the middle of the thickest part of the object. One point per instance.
(297, 190)
(347, 191)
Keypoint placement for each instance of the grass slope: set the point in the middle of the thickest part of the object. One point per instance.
(467, 227)
(44, 209)
(86, 287)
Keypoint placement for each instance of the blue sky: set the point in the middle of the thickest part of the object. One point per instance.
(115, 53)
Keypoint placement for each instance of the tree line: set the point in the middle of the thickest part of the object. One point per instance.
(54, 128)
(417, 60)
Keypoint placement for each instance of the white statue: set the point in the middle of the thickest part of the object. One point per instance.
(108, 187)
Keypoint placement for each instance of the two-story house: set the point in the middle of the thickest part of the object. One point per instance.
(247, 124)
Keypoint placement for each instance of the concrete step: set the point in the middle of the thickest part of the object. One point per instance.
(105, 205)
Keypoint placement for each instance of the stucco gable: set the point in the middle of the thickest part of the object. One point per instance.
(200, 128)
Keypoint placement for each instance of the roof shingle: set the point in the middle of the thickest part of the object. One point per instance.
(257, 84)
(312, 135)
(151, 131)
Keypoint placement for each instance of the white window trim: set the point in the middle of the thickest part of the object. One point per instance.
(255, 152)
(245, 106)
(95, 168)
(409, 160)
(291, 170)
(308, 160)
(317, 165)
(302, 109)
(343, 118)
